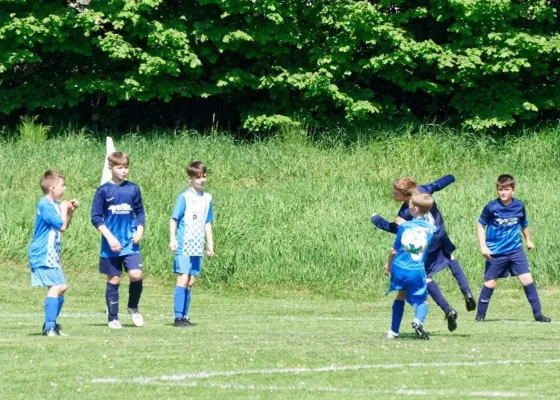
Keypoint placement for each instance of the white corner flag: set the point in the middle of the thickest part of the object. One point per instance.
(106, 174)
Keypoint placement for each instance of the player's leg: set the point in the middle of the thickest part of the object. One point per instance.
(133, 264)
(179, 296)
(438, 297)
(461, 279)
(520, 268)
(54, 280)
(195, 266)
(418, 297)
(397, 315)
(112, 268)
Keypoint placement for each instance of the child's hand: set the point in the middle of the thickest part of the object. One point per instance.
(137, 237)
(530, 245)
(75, 204)
(114, 244)
(386, 269)
(399, 220)
(173, 244)
(210, 251)
(486, 252)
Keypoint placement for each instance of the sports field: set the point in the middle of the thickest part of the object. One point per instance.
(271, 345)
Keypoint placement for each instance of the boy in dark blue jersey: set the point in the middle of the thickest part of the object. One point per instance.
(406, 265)
(53, 217)
(118, 213)
(439, 255)
(498, 230)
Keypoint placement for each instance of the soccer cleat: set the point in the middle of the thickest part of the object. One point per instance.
(114, 324)
(470, 302)
(542, 318)
(480, 318)
(419, 328)
(391, 335)
(137, 319)
(180, 322)
(58, 329)
(51, 332)
(451, 318)
(188, 322)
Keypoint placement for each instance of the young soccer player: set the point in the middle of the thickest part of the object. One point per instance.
(191, 220)
(53, 217)
(440, 253)
(118, 213)
(406, 265)
(498, 230)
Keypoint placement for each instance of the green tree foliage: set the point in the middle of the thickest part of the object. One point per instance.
(481, 63)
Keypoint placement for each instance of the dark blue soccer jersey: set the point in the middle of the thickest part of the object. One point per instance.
(503, 225)
(120, 209)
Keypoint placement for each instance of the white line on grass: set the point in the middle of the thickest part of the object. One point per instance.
(331, 368)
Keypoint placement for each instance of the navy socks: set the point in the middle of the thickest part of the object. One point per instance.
(435, 293)
(459, 275)
(134, 293)
(533, 297)
(112, 297)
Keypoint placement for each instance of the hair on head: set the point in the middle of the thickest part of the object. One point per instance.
(505, 180)
(422, 201)
(196, 169)
(118, 158)
(49, 179)
(405, 185)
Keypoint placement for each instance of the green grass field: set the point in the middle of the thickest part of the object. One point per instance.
(276, 345)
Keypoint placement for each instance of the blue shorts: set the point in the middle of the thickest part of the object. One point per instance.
(114, 265)
(189, 265)
(46, 276)
(503, 265)
(413, 281)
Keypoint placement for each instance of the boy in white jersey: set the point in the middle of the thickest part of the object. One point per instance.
(190, 222)
(53, 217)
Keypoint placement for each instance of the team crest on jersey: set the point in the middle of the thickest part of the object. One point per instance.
(123, 208)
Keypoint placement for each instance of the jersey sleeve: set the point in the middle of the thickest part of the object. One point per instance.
(138, 207)
(179, 208)
(438, 185)
(485, 216)
(50, 216)
(523, 220)
(397, 244)
(384, 225)
(97, 212)
(210, 216)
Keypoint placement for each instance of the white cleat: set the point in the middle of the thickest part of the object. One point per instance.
(114, 324)
(137, 319)
(391, 335)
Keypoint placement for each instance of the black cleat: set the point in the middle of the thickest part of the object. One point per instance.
(180, 322)
(479, 318)
(451, 318)
(542, 318)
(419, 328)
(470, 302)
(188, 322)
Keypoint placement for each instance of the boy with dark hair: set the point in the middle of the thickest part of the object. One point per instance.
(191, 221)
(53, 217)
(439, 255)
(406, 265)
(498, 230)
(118, 213)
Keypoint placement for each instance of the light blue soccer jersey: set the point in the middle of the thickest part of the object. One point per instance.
(412, 242)
(192, 212)
(503, 225)
(44, 250)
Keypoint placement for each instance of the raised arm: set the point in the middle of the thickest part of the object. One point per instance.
(383, 224)
(438, 185)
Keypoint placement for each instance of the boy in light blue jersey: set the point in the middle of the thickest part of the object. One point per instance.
(117, 212)
(53, 217)
(406, 265)
(191, 220)
(498, 230)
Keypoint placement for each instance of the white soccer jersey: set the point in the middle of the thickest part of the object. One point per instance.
(192, 212)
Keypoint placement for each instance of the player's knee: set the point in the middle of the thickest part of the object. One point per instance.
(526, 279)
(62, 289)
(192, 279)
(114, 279)
(491, 284)
(182, 280)
(135, 275)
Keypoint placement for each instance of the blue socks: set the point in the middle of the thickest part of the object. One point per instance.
(459, 275)
(134, 292)
(51, 311)
(533, 297)
(60, 303)
(397, 316)
(421, 311)
(435, 293)
(187, 301)
(179, 298)
(484, 301)
(112, 296)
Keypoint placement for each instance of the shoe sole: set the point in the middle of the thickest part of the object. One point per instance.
(420, 331)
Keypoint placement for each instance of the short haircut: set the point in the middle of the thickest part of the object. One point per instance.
(118, 158)
(422, 201)
(196, 169)
(405, 185)
(505, 181)
(49, 179)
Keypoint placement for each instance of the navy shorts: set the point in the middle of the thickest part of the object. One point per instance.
(114, 265)
(436, 261)
(503, 265)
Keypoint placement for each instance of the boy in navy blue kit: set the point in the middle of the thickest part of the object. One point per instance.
(406, 265)
(191, 221)
(498, 230)
(440, 253)
(118, 213)
(53, 217)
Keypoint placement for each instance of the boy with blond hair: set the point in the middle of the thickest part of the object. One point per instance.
(191, 221)
(53, 217)
(117, 212)
(498, 230)
(406, 265)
